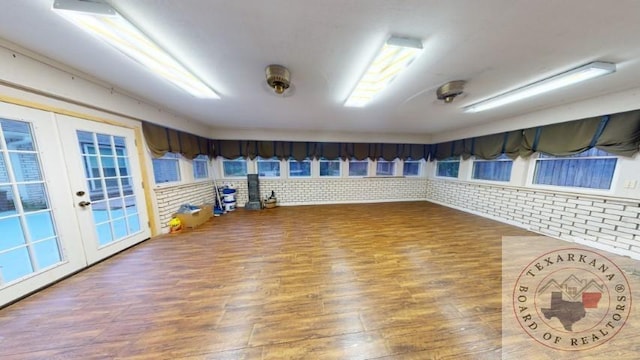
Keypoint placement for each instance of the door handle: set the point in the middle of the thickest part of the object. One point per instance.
(84, 203)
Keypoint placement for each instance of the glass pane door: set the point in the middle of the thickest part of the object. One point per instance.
(39, 241)
(70, 195)
(108, 175)
(105, 179)
(29, 242)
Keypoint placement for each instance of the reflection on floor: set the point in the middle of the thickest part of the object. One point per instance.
(370, 281)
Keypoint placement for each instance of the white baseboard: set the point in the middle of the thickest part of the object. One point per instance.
(303, 203)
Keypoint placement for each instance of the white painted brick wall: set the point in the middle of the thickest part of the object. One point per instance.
(335, 190)
(169, 198)
(612, 223)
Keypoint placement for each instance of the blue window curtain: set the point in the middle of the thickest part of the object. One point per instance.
(449, 167)
(493, 170)
(593, 169)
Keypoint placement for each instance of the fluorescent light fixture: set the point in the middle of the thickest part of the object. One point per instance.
(582, 73)
(101, 20)
(396, 54)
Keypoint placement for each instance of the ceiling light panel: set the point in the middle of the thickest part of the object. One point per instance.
(574, 76)
(101, 20)
(396, 54)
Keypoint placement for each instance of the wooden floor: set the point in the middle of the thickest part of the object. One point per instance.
(372, 281)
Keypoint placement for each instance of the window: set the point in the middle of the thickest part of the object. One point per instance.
(385, 168)
(166, 169)
(411, 168)
(330, 167)
(268, 167)
(29, 242)
(448, 167)
(590, 169)
(92, 168)
(358, 167)
(300, 168)
(201, 167)
(234, 168)
(101, 162)
(115, 213)
(498, 169)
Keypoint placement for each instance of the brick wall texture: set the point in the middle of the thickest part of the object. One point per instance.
(337, 190)
(612, 224)
(169, 198)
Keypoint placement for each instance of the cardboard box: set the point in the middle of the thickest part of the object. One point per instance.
(196, 218)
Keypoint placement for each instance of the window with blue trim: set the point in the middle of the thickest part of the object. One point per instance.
(498, 169)
(268, 167)
(358, 167)
(448, 167)
(234, 168)
(411, 168)
(166, 168)
(592, 169)
(385, 168)
(201, 167)
(330, 168)
(299, 168)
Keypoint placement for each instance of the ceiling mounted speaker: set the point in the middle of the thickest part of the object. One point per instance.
(278, 78)
(450, 90)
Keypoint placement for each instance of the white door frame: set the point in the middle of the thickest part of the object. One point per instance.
(67, 227)
(67, 126)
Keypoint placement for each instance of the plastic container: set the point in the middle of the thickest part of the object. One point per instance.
(228, 191)
(229, 205)
(228, 195)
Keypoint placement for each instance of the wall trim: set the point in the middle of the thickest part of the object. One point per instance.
(314, 203)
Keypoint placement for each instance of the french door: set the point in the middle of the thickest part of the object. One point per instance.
(70, 195)
(106, 185)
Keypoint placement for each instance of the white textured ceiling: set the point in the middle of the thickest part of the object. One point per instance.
(494, 45)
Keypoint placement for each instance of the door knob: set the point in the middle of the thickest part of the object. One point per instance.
(84, 203)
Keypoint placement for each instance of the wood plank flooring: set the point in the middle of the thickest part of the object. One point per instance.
(369, 281)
